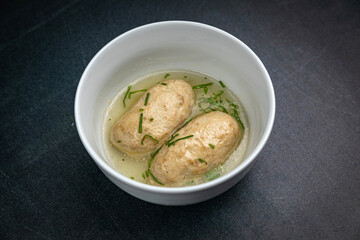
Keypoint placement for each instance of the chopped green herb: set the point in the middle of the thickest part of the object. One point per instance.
(237, 118)
(173, 142)
(213, 174)
(235, 113)
(147, 135)
(132, 178)
(205, 90)
(146, 173)
(137, 91)
(109, 119)
(163, 84)
(188, 182)
(166, 75)
(153, 156)
(202, 161)
(222, 84)
(140, 122)
(141, 110)
(214, 177)
(156, 152)
(202, 85)
(151, 119)
(123, 159)
(143, 175)
(207, 105)
(185, 76)
(126, 94)
(231, 104)
(212, 146)
(153, 177)
(171, 138)
(119, 141)
(205, 77)
(147, 99)
(218, 94)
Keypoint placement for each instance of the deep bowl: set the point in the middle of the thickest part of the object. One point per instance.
(174, 45)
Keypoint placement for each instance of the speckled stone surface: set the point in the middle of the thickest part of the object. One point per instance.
(304, 185)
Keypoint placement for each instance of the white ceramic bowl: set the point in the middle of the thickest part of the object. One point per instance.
(174, 45)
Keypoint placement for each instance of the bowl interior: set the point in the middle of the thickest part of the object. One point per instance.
(168, 46)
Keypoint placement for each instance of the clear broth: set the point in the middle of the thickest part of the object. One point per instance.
(134, 169)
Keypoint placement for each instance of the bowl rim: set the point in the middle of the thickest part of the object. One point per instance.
(175, 190)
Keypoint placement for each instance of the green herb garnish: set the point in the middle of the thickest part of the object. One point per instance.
(212, 146)
(146, 173)
(147, 135)
(153, 177)
(151, 119)
(140, 122)
(188, 182)
(163, 84)
(222, 84)
(202, 161)
(218, 95)
(219, 105)
(141, 110)
(185, 76)
(205, 90)
(173, 142)
(119, 141)
(109, 119)
(213, 174)
(153, 156)
(154, 153)
(123, 159)
(203, 86)
(171, 138)
(166, 75)
(235, 113)
(137, 91)
(126, 94)
(132, 178)
(143, 175)
(213, 105)
(214, 177)
(147, 98)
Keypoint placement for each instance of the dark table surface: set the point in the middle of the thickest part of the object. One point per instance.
(304, 185)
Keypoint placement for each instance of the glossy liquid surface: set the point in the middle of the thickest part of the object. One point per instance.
(134, 169)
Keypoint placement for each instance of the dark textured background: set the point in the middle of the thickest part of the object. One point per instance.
(304, 185)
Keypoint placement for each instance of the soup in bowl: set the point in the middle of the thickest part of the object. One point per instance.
(226, 82)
